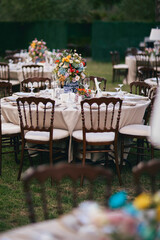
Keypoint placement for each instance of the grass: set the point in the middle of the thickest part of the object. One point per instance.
(13, 211)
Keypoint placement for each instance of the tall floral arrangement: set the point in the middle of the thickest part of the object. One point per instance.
(37, 50)
(70, 66)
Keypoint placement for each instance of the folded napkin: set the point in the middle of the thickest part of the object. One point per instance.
(129, 103)
(133, 97)
(10, 99)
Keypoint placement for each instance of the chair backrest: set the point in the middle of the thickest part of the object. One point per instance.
(36, 114)
(11, 52)
(58, 173)
(146, 72)
(4, 71)
(157, 61)
(100, 115)
(39, 83)
(32, 71)
(5, 89)
(13, 58)
(103, 81)
(152, 169)
(140, 88)
(115, 57)
(142, 59)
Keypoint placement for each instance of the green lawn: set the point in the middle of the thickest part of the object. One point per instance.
(13, 212)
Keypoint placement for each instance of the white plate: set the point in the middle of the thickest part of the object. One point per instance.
(22, 94)
(108, 93)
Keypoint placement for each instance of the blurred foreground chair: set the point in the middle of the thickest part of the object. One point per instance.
(33, 70)
(100, 123)
(118, 68)
(38, 83)
(58, 173)
(152, 170)
(9, 132)
(36, 121)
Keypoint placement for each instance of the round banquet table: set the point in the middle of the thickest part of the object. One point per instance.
(152, 81)
(68, 115)
(16, 71)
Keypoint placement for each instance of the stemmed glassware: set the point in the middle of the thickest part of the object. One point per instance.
(117, 89)
(120, 85)
(86, 83)
(31, 88)
(47, 84)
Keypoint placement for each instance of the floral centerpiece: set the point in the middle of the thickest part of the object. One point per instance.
(37, 50)
(70, 67)
(122, 220)
(86, 93)
(150, 51)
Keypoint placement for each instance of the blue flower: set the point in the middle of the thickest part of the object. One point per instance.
(62, 70)
(131, 210)
(118, 200)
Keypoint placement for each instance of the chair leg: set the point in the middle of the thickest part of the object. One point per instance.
(83, 161)
(15, 143)
(21, 162)
(0, 157)
(114, 75)
(122, 152)
(117, 164)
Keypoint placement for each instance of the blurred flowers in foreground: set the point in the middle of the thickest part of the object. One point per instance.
(122, 220)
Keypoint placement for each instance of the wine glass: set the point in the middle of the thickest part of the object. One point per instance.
(31, 88)
(120, 85)
(86, 83)
(117, 89)
(47, 84)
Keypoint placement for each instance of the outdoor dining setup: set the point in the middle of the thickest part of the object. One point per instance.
(61, 121)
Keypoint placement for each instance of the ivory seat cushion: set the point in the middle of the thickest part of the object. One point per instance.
(136, 130)
(94, 137)
(10, 128)
(44, 136)
(13, 82)
(120, 66)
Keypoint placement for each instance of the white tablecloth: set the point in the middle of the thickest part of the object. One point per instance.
(16, 71)
(69, 116)
(131, 62)
(152, 81)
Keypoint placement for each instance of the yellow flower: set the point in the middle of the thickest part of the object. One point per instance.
(156, 198)
(158, 213)
(143, 201)
(33, 44)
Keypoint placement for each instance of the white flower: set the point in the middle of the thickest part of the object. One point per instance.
(77, 78)
(77, 61)
(83, 75)
(70, 61)
(65, 66)
(61, 64)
